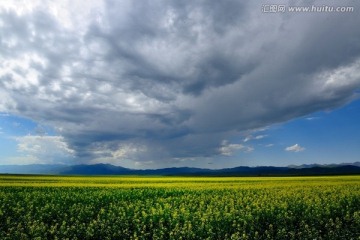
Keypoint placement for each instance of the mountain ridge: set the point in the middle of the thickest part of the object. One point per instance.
(109, 169)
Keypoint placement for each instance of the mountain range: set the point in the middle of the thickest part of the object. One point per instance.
(108, 169)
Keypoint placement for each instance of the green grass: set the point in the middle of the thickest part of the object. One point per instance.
(60, 207)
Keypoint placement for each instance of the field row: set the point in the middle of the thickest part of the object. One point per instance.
(172, 182)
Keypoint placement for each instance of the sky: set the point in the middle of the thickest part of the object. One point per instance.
(165, 83)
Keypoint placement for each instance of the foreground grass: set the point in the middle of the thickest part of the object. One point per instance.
(49, 207)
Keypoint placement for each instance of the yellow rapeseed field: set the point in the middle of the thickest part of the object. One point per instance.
(133, 207)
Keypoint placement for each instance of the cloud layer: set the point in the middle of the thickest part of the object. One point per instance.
(153, 80)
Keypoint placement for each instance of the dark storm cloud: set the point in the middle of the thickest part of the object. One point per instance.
(179, 45)
(155, 80)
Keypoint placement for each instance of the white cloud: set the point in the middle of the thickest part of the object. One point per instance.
(143, 163)
(260, 137)
(295, 148)
(311, 118)
(228, 149)
(248, 138)
(251, 137)
(117, 154)
(44, 149)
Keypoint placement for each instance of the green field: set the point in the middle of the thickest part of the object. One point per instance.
(54, 207)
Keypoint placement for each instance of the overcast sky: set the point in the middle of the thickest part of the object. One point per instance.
(160, 83)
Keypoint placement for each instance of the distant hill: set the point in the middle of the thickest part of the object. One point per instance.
(324, 165)
(96, 169)
(108, 169)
